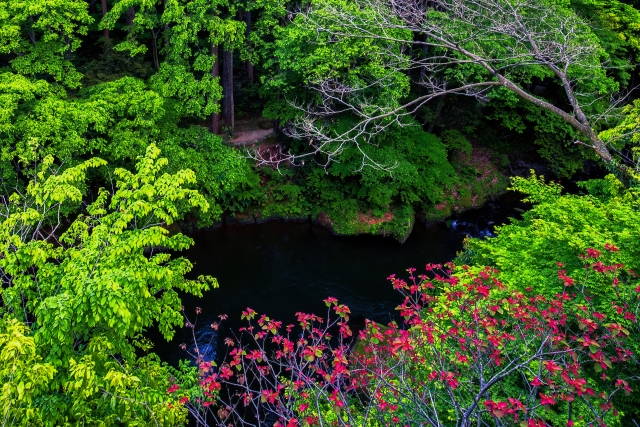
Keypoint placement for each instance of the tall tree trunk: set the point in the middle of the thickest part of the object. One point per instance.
(276, 122)
(105, 32)
(154, 48)
(215, 72)
(436, 117)
(165, 32)
(247, 33)
(227, 89)
(130, 16)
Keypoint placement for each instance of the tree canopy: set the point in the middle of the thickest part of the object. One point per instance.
(77, 295)
(126, 121)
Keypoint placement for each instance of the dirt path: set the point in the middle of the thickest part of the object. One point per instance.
(249, 131)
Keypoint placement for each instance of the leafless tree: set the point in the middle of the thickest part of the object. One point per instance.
(457, 47)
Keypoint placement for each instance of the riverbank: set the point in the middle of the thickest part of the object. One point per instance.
(479, 182)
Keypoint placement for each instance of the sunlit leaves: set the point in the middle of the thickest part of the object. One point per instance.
(22, 373)
(106, 279)
(40, 35)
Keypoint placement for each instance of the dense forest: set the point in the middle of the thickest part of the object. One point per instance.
(126, 123)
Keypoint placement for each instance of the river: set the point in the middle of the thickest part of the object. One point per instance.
(280, 268)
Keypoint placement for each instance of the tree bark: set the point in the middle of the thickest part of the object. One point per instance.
(276, 122)
(580, 122)
(249, 64)
(227, 89)
(436, 118)
(165, 32)
(130, 16)
(215, 73)
(154, 49)
(105, 32)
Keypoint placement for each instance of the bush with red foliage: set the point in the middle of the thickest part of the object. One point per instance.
(468, 352)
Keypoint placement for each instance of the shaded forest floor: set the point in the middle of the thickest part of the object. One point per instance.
(252, 130)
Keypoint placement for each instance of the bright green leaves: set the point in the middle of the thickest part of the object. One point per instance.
(197, 95)
(146, 19)
(117, 120)
(82, 378)
(57, 189)
(627, 134)
(617, 26)
(304, 56)
(224, 176)
(420, 173)
(40, 36)
(536, 189)
(126, 116)
(558, 229)
(148, 193)
(38, 120)
(107, 280)
(180, 35)
(627, 131)
(23, 374)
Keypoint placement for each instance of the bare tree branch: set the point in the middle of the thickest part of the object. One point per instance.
(465, 47)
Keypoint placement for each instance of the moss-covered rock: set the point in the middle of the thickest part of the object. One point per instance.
(480, 182)
(397, 224)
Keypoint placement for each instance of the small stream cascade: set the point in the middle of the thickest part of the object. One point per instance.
(472, 229)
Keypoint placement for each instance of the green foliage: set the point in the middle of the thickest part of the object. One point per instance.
(22, 373)
(627, 130)
(180, 34)
(39, 37)
(87, 272)
(113, 65)
(617, 26)
(224, 176)
(420, 171)
(118, 120)
(557, 230)
(285, 195)
(301, 56)
(626, 135)
(88, 297)
(356, 197)
(456, 141)
(554, 138)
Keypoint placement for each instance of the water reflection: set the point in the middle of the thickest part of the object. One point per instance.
(281, 268)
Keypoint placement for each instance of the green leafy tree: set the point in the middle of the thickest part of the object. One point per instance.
(556, 229)
(89, 287)
(302, 56)
(627, 134)
(181, 35)
(486, 49)
(545, 245)
(617, 25)
(40, 37)
(116, 120)
(23, 374)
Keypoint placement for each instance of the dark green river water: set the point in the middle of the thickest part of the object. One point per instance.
(280, 268)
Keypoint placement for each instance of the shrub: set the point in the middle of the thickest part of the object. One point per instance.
(468, 351)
